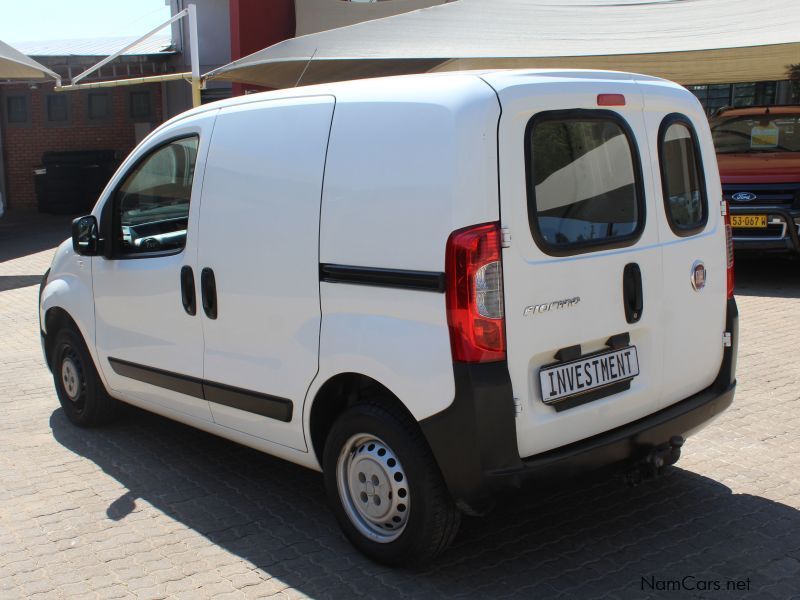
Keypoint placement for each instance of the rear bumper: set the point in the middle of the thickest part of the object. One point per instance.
(474, 439)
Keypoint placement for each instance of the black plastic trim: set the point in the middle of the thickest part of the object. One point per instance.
(252, 402)
(592, 245)
(265, 405)
(476, 433)
(183, 384)
(666, 123)
(475, 444)
(427, 281)
(42, 334)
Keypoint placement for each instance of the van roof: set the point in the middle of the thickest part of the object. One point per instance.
(367, 87)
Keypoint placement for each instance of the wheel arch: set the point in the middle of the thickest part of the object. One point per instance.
(54, 319)
(340, 392)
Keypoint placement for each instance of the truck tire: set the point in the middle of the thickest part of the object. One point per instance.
(81, 393)
(385, 487)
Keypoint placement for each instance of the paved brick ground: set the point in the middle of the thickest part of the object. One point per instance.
(148, 508)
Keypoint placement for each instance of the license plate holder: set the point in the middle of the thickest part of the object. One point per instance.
(591, 377)
(749, 221)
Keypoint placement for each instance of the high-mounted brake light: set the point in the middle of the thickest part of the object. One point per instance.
(610, 100)
(729, 249)
(475, 294)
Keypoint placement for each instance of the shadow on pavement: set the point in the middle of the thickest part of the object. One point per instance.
(776, 277)
(13, 282)
(586, 540)
(24, 232)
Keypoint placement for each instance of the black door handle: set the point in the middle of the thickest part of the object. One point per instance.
(208, 289)
(187, 291)
(632, 292)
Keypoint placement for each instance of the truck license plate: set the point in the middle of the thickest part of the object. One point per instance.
(748, 221)
(576, 377)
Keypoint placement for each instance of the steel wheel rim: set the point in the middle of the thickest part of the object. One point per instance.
(72, 377)
(373, 488)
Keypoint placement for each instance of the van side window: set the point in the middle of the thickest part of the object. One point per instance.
(584, 182)
(682, 180)
(151, 206)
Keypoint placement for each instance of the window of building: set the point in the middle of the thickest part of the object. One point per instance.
(584, 181)
(16, 109)
(152, 204)
(141, 105)
(682, 180)
(754, 94)
(99, 106)
(713, 97)
(56, 106)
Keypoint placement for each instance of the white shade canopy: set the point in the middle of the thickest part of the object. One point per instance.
(690, 41)
(15, 65)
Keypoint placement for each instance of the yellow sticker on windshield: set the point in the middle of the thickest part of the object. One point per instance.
(764, 137)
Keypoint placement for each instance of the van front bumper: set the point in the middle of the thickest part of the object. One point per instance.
(474, 440)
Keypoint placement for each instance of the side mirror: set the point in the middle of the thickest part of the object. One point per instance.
(85, 237)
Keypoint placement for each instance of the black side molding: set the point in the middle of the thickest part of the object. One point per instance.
(265, 405)
(427, 281)
(253, 402)
(183, 384)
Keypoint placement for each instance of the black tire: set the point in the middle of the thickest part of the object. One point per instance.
(432, 520)
(86, 403)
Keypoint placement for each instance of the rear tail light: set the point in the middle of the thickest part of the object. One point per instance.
(729, 247)
(475, 294)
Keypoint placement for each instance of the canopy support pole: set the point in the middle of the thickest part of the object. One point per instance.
(193, 77)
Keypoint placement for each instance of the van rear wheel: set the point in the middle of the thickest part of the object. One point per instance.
(81, 393)
(385, 488)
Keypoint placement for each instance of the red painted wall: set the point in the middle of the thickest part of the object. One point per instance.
(256, 24)
(24, 144)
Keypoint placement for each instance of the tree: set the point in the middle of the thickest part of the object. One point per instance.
(793, 73)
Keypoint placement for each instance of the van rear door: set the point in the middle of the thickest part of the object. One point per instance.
(582, 263)
(692, 230)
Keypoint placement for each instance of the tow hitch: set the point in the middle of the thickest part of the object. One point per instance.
(651, 465)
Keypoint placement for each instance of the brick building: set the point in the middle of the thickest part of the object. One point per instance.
(36, 119)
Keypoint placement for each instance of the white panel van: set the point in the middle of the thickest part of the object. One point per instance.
(428, 287)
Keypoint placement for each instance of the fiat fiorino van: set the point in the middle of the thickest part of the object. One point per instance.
(428, 287)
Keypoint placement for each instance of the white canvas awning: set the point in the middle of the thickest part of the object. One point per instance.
(689, 41)
(15, 65)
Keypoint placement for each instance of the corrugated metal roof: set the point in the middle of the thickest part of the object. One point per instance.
(102, 46)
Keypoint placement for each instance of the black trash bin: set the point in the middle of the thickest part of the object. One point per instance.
(70, 182)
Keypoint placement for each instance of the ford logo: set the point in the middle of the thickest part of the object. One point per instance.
(744, 196)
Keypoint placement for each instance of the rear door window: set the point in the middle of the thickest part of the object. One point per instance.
(584, 182)
(682, 179)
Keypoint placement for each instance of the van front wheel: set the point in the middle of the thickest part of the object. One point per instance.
(385, 488)
(80, 391)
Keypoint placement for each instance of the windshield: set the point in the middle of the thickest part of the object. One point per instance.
(757, 133)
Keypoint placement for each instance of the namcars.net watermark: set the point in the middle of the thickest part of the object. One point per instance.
(692, 583)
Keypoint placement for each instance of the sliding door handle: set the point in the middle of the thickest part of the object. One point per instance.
(208, 290)
(188, 297)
